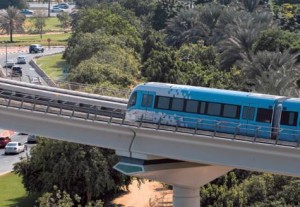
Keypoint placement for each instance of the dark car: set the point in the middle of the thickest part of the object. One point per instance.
(16, 71)
(35, 48)
(4, 141)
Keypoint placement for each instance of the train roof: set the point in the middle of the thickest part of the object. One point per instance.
(156, 86)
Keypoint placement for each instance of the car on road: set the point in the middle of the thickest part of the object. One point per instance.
(9, 64)
(14, 148)
(35, 48)
(16, 71)
(57, 9)
(4, 141)
(31, 138)
(21, 59)
(26, 12)
(63, 5)
(36, 80)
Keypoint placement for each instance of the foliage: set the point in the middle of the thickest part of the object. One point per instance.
(63, 199)
(192, 64)
(20, 4)
(113, 64)
(140, 8)
(276, 39)
(91, 20)
(39, 22)
(74, 168)
(273, 73)
(64, 19)
(11, 20)
(165, 10)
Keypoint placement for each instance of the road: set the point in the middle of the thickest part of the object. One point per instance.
(44, 7)
(27, 70)
(7, 161)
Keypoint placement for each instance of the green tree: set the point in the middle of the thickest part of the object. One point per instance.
(20, 4)
(241, 37)
(273, 72)
(39, 22)
(186, 27)
(74, 168)
(91, 20)
(11, 20)
(114, 64)
(277, 39)
(58, 198)
(64, 19)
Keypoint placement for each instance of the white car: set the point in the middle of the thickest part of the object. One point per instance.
(14, 148)
(36, 81)
(21, 59)
(57, 10)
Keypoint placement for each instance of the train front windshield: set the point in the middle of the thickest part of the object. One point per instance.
(132, 100)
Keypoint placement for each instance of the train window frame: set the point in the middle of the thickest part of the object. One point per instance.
(157, 101)
(211, 109)
(132, 100)
(147, 100)
(248, 113)
(235, 115)
(287, 121)
(179, 108)
(187, 107)
(202, 107)
(261, 113)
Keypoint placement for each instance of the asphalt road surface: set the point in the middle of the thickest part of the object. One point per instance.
(7, 161)
(27, 70)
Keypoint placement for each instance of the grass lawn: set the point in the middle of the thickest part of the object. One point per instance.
(25, 40)
(13, 192)
(52, 25)
(53, 66)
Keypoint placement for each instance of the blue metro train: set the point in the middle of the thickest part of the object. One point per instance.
(234, 112)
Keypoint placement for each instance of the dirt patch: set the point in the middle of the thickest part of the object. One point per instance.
(149, 194)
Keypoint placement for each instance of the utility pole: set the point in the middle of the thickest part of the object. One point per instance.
(6, 59)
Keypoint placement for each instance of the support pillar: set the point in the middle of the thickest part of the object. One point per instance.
(186, 197)
(185, 177)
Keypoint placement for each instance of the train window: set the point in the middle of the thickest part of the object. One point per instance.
(177, 104)
(162, 102)
(132, 100)
(231, 111)
(289, 118)
(248, 113)
(264, 115)
(214, 109)
(191, 106)
(202, 107)
(147, 100)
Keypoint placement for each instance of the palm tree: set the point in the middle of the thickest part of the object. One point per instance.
(240, 36)
(273, 73)
(186, 27)
(12, 20)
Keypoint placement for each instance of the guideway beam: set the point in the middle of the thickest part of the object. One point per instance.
(185, 177)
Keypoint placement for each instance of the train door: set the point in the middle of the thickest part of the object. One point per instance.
(248, 123)
(147, 105)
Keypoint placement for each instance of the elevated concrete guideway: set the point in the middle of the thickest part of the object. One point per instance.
(143, 143)
(205, 157)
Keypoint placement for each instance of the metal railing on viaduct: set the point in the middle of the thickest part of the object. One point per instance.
(89, 119)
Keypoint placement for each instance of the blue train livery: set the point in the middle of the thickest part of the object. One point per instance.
(234, 112)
